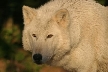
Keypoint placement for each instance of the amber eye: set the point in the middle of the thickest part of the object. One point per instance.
(49, 36)
(34, 35)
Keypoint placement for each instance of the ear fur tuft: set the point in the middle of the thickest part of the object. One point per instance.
(62, 17)
(28, 14)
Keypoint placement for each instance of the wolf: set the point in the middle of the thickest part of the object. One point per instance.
(72, 34)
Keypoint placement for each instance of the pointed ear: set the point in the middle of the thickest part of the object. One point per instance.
(28, 14)
(62, 17)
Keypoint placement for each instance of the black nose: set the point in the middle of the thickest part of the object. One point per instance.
(37, 58)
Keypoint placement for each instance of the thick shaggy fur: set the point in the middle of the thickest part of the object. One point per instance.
(72, 34)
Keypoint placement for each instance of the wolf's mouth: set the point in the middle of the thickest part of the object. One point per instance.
(38, 62)
(49, 61)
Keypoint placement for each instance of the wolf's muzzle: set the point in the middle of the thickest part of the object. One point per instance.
(37, 58)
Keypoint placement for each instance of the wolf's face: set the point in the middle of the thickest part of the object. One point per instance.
(48, 40)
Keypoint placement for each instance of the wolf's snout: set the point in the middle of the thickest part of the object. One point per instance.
(37, 58)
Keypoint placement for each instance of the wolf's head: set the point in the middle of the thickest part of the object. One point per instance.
(47, 37)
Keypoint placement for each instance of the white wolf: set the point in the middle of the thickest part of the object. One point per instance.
(68, 33)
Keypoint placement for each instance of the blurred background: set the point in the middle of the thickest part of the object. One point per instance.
(12, 56)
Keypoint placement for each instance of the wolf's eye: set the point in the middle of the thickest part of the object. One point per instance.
(34, 35)
(49, 36)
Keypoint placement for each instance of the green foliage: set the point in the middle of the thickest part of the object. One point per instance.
(19, 56)
(101, 1)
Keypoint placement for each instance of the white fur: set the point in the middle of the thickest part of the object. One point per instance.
(79, 29)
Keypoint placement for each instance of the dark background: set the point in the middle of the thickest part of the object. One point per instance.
(12, 56)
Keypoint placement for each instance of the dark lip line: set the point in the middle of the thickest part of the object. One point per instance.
(38, 62)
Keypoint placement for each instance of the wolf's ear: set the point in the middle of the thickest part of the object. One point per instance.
(62, 17)
(28, 14)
